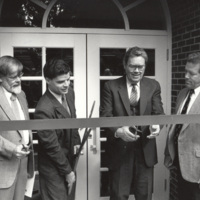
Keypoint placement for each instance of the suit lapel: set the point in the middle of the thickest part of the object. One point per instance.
(5, 106)
(69, 99)
(23, 104)
(143, 95)
(180, 101)
(124, 95)
(58, 106)
(195, 109)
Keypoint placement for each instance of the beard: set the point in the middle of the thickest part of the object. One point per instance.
(16, 89)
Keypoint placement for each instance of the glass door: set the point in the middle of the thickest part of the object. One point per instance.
(104, 58)
(94, 59)
(33, 50)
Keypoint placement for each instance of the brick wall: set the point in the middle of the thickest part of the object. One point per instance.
(185, 18)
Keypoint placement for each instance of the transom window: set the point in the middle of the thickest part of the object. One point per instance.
(113, 14)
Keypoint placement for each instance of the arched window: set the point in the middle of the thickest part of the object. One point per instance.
(112, 14)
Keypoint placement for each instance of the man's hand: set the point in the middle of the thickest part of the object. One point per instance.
(125, 134)
(76, 149)
(70, 178)
(20, 152)
(155, 130)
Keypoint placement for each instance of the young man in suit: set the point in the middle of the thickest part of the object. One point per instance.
(183, 141)
(15, 156)
(132, 155)
(56, 147)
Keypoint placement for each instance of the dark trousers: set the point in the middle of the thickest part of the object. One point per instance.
(53, 187)
(187, 190)
(132, 170)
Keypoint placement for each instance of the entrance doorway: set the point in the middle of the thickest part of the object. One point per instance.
(94, 59)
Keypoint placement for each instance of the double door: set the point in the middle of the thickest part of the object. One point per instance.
(94, 59)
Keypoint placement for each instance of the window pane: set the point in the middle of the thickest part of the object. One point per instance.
(84, 14)
(111, 62)
(31, 58)
(33, 91)
(150, 68)
(87, 14)
(21, 13)
(147, 15)
(65, 54)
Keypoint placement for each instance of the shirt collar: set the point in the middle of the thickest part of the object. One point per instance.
(197, 90)
(129, 84)
(58, 97)
(8, 94)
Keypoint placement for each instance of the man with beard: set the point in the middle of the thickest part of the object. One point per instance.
(16, 155)
(132, 150)
(56, 147)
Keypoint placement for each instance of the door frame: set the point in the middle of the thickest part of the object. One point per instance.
(22, 37)
(95, 42)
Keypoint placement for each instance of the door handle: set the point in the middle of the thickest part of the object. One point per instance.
(93, 147)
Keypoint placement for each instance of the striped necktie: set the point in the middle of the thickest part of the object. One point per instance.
(134, 96)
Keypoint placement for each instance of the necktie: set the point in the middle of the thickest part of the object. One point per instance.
(65, 104)
(134, 96)
(16, 109)
(179, 126)
(15, 106)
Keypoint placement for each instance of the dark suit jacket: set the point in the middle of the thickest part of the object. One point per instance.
(115, 102)
(188, 143)
(55, 152)
(9, 139)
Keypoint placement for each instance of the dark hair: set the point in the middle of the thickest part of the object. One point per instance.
(6, 63)
(135, 52)
(194, 58)
(55, 67)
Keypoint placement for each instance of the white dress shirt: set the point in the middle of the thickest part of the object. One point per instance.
(193, 98)
(130, 86)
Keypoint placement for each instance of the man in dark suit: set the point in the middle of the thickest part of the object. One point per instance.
(56, 147)
(132, 150)
(16, 149)
(183, 141)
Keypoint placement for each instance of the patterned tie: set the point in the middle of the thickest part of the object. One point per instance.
(65, 104)
(134, 96)
(179, 126)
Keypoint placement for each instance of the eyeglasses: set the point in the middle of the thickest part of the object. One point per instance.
(134, 67)
(13, 78)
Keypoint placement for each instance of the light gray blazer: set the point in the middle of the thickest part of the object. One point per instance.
(8, 141)
(188, 143)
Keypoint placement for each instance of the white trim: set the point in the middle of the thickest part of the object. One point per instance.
(124, 15)
(132, 5)
(46, 14)
(83, 31)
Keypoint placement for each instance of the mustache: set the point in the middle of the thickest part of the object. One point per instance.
(15, 85)
(136, 73)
